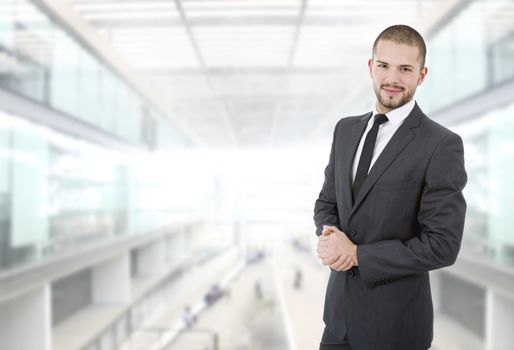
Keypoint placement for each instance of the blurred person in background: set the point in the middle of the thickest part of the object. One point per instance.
(390, 210)
(188, 317)
(298, 279)
(257, 288)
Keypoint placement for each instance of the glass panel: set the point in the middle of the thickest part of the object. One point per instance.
(64, 77)
(83, 179)
(132, 123)
(56, 193)
(109, 100)
(502, 56)
(33, 50)
(501, 167)
(7, 59)
(127, 117)
(29, 188)
(40, 60)
(7, 9)
(438, 55)
(489, 147)
(89, 88)
(472, 52)
(469, 51)
(167, 134)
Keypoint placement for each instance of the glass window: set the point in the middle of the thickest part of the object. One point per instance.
(469, 54)
(109, 100)
(502, 56)
(32, 49)
(89, 88)
(56, 193)
(489, 147)
(39, 59)
(64, 76)
(7, 9)
(7, 59)
(128, 116)
(439, 85)
(29, 188)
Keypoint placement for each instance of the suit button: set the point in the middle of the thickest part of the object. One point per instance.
(352, 233)
(351, 272)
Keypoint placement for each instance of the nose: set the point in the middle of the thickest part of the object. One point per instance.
(392, 77)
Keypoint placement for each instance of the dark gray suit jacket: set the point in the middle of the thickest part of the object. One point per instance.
(407, 220)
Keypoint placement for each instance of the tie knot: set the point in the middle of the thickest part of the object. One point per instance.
(380, 119)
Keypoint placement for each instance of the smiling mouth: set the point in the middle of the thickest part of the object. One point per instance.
(392, 91)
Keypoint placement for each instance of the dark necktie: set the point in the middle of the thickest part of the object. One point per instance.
(367, 154)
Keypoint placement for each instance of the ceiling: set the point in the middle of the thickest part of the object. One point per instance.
(254, 73)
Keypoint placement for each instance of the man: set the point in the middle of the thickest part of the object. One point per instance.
(390, 210)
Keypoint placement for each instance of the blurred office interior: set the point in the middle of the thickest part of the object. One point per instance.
(159, 162)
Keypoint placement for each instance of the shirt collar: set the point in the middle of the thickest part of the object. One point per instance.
(398, 115)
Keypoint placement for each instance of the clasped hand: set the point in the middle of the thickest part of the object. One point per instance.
(336, 250)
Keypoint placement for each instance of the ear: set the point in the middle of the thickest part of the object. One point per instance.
(422, 76)
(370, 66)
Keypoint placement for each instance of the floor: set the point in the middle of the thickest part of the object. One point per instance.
(276, 304)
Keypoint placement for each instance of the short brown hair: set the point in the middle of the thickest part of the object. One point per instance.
(402, 34)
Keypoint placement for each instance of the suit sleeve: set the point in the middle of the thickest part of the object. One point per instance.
(325, 208)
(441, 218)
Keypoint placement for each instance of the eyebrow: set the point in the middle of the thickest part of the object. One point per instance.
(401, 65)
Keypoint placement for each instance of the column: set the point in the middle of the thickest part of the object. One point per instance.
(499, 321)
(25, 321)
(151, 259)
(111, 281)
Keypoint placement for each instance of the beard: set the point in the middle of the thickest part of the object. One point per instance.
(390, 102)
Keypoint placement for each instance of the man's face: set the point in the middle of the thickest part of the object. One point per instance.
(396, 72)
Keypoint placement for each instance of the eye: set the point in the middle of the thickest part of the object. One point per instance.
(382, 65)
(406, 69)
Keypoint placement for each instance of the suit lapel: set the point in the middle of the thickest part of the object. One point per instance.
(351, 143)
(401, 138)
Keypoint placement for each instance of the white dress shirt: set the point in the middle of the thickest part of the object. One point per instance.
(385, 132)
